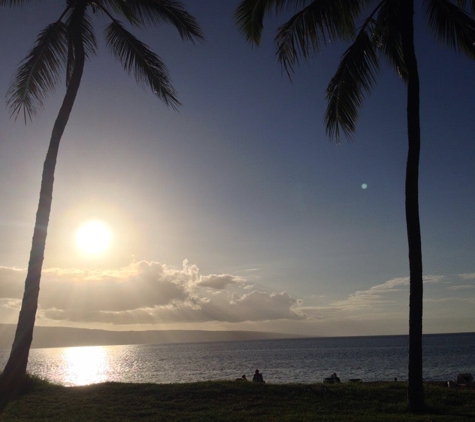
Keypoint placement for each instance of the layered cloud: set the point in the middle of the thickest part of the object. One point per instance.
(219, 282)
(445, 298)
(148, 293)
(154, 294)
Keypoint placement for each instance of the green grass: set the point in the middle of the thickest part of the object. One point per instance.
(235, 401)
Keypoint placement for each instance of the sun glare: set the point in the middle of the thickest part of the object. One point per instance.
(85, 365)
(93, 237)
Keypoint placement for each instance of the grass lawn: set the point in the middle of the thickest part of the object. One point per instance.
(235, 401)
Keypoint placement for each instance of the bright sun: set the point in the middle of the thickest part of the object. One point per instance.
(93, 237)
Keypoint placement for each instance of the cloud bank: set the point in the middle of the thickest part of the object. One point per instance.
(147, 293)
(154, 295)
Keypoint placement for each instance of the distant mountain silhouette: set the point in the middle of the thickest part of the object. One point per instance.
(69, 337)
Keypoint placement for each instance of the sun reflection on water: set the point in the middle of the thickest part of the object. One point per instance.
(85, 365)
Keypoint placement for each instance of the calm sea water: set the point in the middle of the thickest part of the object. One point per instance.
(280, 361)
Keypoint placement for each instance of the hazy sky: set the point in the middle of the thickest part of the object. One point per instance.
(237, 212)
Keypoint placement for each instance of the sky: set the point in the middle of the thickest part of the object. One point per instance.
(236, 212)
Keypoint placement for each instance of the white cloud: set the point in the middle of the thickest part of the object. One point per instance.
(138, 285)
(255, 306)
(387, 304)
(385, 295)
(435, 279)
(12, 282)
(374, 298)
(469, 276)
(148, 293)
(453, 301)
(219, 282)
(462, 287)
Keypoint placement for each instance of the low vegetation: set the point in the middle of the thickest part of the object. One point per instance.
(235, 401)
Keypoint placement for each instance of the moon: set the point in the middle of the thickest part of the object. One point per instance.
(93, 237)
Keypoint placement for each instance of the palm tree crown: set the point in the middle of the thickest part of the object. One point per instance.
(375, 28)
(55, 49)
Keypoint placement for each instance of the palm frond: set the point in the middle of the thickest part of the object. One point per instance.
(452, 25)
(136, 57)
(249, 18)
(355, 77)
(124, 8)
(387, 35)
(170, 11)
(39, 71)
(463, 4)
(316, 24)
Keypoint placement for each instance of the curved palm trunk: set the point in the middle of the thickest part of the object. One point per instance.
(415, 387)
(15, 369)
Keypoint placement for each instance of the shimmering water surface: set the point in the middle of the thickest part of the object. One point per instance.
(281, 361)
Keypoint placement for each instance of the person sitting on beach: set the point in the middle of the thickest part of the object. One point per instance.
(334, 377)
(257, 376)
(243, 378)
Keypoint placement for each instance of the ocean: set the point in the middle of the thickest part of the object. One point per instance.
(377, 358)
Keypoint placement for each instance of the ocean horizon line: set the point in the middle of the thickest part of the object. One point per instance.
(52, 337)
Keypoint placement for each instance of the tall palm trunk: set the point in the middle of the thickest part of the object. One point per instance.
(415, 387)
(15, 369)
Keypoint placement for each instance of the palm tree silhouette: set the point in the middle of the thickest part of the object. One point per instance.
(377, 29)
(65, 45)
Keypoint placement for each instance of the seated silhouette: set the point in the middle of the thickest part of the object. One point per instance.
(332, 378)
(257, 376)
